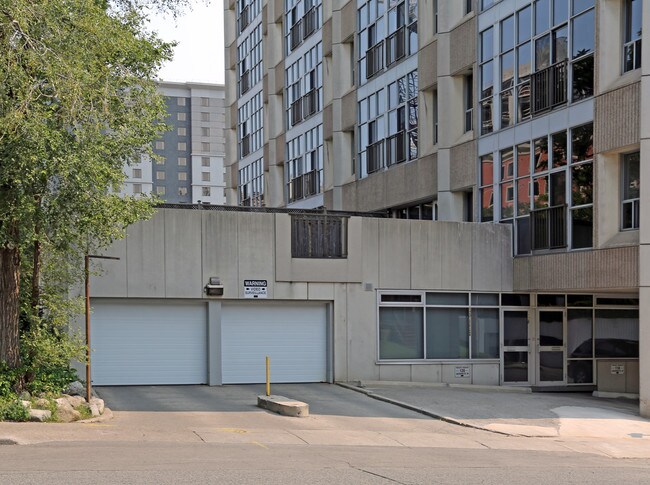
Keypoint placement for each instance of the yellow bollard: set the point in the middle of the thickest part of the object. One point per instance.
(268, 376)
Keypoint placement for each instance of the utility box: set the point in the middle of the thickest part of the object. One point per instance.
(616, 375)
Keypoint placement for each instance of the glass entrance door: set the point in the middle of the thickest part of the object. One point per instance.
(515, 347)
(551, 347)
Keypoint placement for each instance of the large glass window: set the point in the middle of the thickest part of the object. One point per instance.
(633, 31)
(631, 190)
(439, 326)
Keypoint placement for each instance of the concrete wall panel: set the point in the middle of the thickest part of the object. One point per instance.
(394, 254)
(456, 239)
(426, 256)
(395, 372)
(183, 254)
(146, 259)
(256, 253)
(617, 118)
(426, 373)
(113, 280)
(221, 244)
(361, 334)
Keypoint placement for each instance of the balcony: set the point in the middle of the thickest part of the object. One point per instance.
(244, 19)
(549, 87)
(304, 186)
(245, 145)
(244, 82)
(310, 103)
(395, 46)
(374, 59)
(296, 111)
(309, 23)
(375, 156)
(548, 228)
(396, 148)
(295, 35)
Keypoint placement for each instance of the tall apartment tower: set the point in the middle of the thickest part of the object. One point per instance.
(190, 167)
(520, 112)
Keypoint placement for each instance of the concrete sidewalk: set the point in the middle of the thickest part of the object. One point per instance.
(516, 412)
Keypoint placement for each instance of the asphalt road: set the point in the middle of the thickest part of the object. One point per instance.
(170, 435)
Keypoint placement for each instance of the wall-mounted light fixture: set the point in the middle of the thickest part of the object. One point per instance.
(214, 287)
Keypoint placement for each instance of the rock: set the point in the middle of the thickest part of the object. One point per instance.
(25, 396)
(94, 410)
(26, 404)
(99, 403)
(75, 401)
(39, 415)
(76, 388)
(41, 403)
(65, 412)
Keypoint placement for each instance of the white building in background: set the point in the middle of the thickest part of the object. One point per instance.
(191, 164)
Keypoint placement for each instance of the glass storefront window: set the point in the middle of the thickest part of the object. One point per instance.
(485, 333)
(401, 335)
(447, 333)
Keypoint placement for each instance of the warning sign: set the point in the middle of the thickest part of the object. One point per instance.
(617, 369)
(461, 371)
(255, 288)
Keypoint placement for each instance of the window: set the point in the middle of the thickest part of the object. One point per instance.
(180, 101)
(205, 102)
(181, 131)
(182, 176)
(160, 175)
(137, 173)
(469, 102)
(633, 31)
(438, 326)
(181, 116)
(545, 189)
(486, 89)
(631, 191)
(469, 6)
(205, 161)
(318, 236)
(160, 190)
(249, 58)
(250, 124)
(304, 79)
(205, 146)
(251, 184)
(205, 191)
(182, 161)
(205, 176)
(182, 191)
(160, 145)
(304, 169)
(205, 116)
(137, 188)
(205, 131)
(182, 146)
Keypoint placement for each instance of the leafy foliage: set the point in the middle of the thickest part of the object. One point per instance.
(12, 410)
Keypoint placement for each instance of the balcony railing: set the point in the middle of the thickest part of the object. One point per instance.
(375, 59)
(310, 103)
(244, 19)
(549, 87)
(245, 145)
(396, 148)
(304, 185)
(295, 35)
(296, 111)
(309, 23)
(244, 82)
(395, 46)
(548, 228)
(375, 156)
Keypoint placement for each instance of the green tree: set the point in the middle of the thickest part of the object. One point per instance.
(77, 99)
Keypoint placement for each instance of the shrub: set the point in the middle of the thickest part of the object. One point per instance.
(11, 409)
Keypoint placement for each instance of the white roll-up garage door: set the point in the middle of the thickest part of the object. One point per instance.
(154, 342)
(293, 336)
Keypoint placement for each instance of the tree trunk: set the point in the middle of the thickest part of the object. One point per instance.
(36, 277)
(9, 305)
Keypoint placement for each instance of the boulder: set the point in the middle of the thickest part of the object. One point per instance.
(65, 412)
(76, 388)
(99, 403)
(94, 410)
(39, 415)
(26, 404)
(75, 401)
(41, 403)
(25, 396)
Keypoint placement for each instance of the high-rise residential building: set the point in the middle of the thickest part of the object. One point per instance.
(524, 113)
(189, 167)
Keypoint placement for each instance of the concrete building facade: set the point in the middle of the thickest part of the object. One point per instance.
(189, 164)
(524, 113)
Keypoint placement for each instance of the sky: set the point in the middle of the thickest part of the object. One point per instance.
(199, 55)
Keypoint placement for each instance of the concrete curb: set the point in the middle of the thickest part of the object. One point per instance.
(420, 410)
(284, 406)
(469, 387)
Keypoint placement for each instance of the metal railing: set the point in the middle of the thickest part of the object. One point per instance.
(375, 59)
(309, 103)
(296, 111)
(309, 23)
(245, 145)
(295, 35)
(244, 19)
(396, 148)
(548, 228)
(375, 156)
(244, 82)
(395, 46)
(549, 87)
